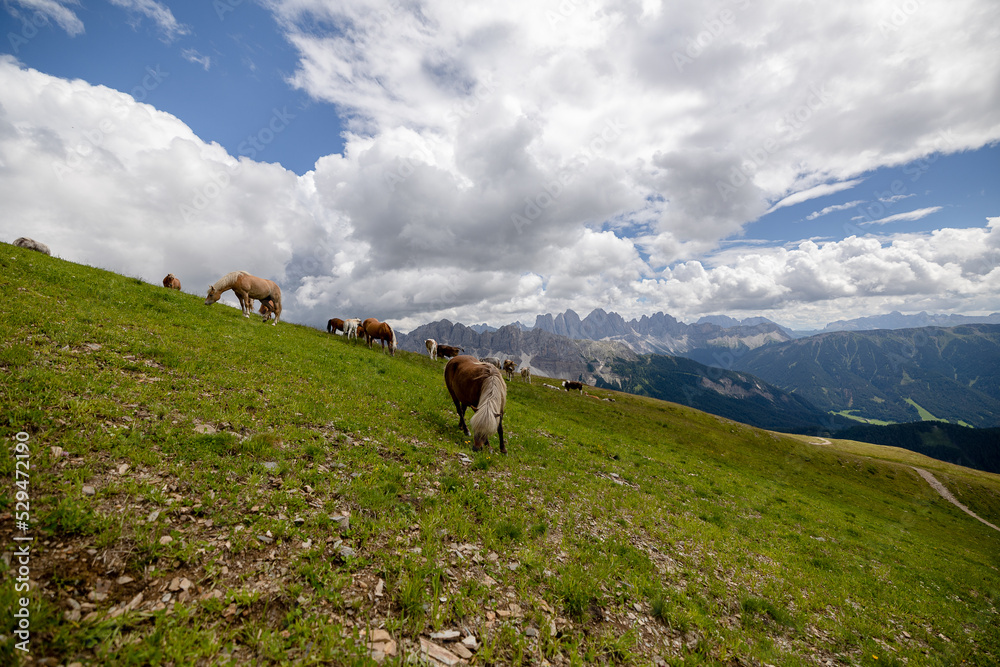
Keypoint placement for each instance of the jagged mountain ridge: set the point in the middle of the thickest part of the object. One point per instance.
(661, 333)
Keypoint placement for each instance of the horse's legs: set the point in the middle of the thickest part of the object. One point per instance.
(503, 449)
(460, 409)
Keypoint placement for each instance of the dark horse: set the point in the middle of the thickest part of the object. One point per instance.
(473, 384)
(334, 325)
(381, 331)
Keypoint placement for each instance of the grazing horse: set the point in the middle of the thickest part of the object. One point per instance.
(491, 360)
(509, 368)
(526, 374)
(448, 351)
(351, 327)
(480, 386)
(432, 348)
(380, 331)
(335, 325)
(172, 282)
(247, 288)
(267, 309)
(570, 384)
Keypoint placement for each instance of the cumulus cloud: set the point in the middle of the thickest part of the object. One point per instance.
(504, 160)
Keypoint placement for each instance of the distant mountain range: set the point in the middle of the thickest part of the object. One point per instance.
(896, 320)
(906, 375)
(662, 334)
(873, 376)
(613, 364)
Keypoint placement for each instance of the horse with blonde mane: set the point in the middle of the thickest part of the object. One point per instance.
(248, 287)
(432, 348)
(381, 331)
(172, 282)
(477, 385)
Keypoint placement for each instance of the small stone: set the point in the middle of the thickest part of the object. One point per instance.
(342, 520)
(166, 539)
(471, 643)
(442, 655)
(153, 516)
(89, 491)
(461, 651)
(531, 632)
(446, 635)
(270, 465)
(124, 579)
(206, 429)
(345, 551)
(379, 587)
(175, 584)
(186, 583)
(265, 539)
(123, 468)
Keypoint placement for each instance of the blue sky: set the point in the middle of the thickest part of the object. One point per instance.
(411, 162)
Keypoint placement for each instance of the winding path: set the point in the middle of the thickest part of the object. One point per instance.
(946, 494)
(936, 485)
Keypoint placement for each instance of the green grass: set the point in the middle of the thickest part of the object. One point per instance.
(924, 414)
(864, 420)
(611, 533)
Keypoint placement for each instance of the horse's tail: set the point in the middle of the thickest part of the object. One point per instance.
(492, 401)
(392, 343)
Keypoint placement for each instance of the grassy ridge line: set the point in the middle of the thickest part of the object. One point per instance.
(631, 529)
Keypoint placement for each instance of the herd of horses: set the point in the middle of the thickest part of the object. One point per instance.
(471, 382)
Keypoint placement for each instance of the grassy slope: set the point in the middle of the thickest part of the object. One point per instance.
(611, 532)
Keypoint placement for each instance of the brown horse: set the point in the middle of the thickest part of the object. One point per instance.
(381, 331)
(172, 282)
(267, 309)
(334, 325)
(448, 351)
(247, 288)
(480, 386)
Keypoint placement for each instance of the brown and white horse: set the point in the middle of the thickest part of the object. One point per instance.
(432, 348)
(247, 287)
(509, 368)
(172, 282)
(480, 386)
(381, 331)
(334, 325)
(526, 374)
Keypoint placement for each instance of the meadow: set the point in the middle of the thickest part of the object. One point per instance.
(207, 489)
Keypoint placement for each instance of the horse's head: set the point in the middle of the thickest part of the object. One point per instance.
(213, 296)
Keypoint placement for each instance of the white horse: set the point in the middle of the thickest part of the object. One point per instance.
(351, 327)
(432, 348)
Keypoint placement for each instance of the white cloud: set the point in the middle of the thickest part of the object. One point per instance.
(33, 12)
(814, 192)
(833, 209)
(158, 13)
(193, 56)
(909, 216)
